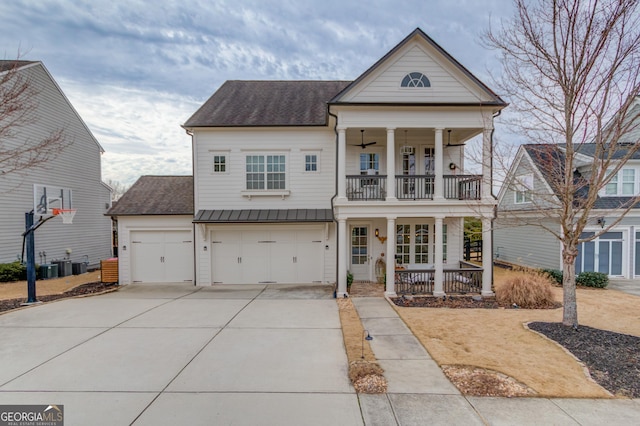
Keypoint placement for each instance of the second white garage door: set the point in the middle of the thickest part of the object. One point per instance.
(161, 256)
(269, 255)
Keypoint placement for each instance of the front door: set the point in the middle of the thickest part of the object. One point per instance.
(360, 258)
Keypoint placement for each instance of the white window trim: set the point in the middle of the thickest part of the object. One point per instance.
(226, 163)
(619, 182)
(267, 192)
(304, 162)
(523, 187)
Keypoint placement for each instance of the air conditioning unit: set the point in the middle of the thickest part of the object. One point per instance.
(407, 150)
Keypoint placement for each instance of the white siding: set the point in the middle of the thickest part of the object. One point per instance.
(77, 167)
(448, 83)
(225, 190)
(129, 224)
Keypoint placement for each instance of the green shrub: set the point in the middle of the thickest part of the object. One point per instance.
(554, 274)
(526, 290)
(349, 279)
(592, 279)
(14, 271)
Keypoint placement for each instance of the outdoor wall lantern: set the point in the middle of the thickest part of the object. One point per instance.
(368, 338)
(377, 234)
(601, 222)
(124, 248)
(205, 248)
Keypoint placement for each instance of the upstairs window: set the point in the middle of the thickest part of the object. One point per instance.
(219, 163)
(415, 79)
(622, 184)
(265, 172)
(310, 163)
(523, 188)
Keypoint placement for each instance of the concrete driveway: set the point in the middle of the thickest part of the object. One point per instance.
(176, 354)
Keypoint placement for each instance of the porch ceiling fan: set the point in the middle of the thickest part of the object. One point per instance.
(362, 144)
(449, 140)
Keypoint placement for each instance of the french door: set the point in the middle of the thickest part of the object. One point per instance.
(360, 258)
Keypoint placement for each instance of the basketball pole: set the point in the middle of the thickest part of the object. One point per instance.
(29, 235)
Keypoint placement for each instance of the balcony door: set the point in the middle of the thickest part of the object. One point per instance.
(360, 258)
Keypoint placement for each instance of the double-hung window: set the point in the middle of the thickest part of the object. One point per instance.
(219, 163)
(523, 187)
(266, 172)
(623, 183)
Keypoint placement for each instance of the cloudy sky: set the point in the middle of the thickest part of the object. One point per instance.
(136, 70)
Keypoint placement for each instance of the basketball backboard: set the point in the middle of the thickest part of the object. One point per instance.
(47, 197)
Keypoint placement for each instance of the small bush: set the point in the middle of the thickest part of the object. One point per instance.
(554, 274)
(592, 279)
(349, 279)
(527, 290)
(14, 271)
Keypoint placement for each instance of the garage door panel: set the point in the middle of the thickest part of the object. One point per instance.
(275, 254)
(161, 256)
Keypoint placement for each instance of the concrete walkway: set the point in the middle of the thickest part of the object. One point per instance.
(420, 394)
(627, 286)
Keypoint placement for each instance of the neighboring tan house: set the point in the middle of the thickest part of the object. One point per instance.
(519, 237)
(304, 181)
(73, 177)
(155, 230)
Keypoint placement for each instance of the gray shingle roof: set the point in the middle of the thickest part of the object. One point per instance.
(156, 195)
(546, 155)
(267, 103)
(264, 216)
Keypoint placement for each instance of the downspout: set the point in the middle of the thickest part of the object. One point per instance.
(193, 225)
(335, 194)
(495, 207)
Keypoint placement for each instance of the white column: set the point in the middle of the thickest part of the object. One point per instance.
(342, 154)
(390, 289)
(343, 257)
(486, 162)
(391, 164)
(438, 186)
(438, 279)
(487, 257)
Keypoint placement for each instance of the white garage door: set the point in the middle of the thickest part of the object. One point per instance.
(268, 255)
(161, 256)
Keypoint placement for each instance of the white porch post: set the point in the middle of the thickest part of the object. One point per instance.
(486, 162)
(391, 164)
(438, 279)
(342, 154)
(343, 257)
(438, 185)
(390, 288)
(487, 257)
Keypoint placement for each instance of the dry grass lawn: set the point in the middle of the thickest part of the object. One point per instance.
(18, 289)
(496, 339)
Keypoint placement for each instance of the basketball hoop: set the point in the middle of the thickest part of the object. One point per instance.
(66, 214)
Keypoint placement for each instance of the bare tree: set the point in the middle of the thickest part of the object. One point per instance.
(18, 109)
(117, 189)
(571, 72)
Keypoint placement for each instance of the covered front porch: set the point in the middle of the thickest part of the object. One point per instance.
(412, 255)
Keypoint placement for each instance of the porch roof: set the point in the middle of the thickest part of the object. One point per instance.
(264, 216)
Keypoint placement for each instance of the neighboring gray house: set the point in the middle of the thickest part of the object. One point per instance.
(76, 171)
(519, 237)
(155, 230)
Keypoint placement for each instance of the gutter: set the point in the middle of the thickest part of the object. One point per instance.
(335, 194)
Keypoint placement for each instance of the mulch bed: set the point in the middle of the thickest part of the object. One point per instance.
(613, 359)
(458, 302)
(85, 289)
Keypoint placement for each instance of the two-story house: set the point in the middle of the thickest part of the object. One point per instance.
(527, 202)
(70, 178)
(307, 181)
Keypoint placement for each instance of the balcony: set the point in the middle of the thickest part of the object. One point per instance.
(413, 187)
